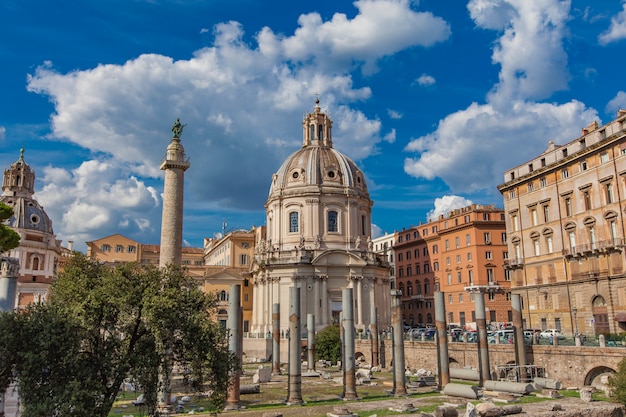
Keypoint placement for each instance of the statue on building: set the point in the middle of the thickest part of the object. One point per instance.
(177, 129)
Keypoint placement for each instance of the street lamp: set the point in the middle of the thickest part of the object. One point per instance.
(575, 311)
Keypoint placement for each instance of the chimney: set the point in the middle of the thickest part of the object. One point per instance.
(70, 245)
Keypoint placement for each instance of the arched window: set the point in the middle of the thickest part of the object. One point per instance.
(293, 222)
(35, 263)
(332, 221)
(223, 296)
(320, 132)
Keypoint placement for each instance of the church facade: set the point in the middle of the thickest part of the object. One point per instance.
(39, 249)
(318, 238)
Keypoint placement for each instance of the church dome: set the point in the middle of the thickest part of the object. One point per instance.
(317, 164)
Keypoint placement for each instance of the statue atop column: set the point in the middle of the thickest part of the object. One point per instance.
(177, 129)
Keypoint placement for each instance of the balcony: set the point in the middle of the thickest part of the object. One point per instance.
(514, 263)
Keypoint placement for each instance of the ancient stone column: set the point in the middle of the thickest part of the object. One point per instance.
(399, 380)
(276, 339)
(481, 327)
(174, 164)
(234, 332)
(348, 336)
(442, 340)
(374, 335)
(518, 324)
(310, 345)
(294, 396)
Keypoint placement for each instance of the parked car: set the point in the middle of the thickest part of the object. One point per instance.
(551, 333)
(530, 333)
(506, 336)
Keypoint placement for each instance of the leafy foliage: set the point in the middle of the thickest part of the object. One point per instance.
(618, 383)
(328, 344)
(103, 325)
(9, 238)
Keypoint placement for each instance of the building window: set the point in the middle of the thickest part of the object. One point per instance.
(459, 280)
(568, 206)
(409, 271)
(448, 260)
(536, 246)
(549, 244)
(608, 192)
(572, 240)
(244, 259)
(131, 249)
(447, 245)
(507, 275)
(488, 255)
(564, 153)
(457, 242)
(435, 266)
(458, 259)
(426, 268)
(408, 255)
(564, 173)
(400, 257)
(486, 216)
(435, 249)
(542, 182)
(416, 253)
(587, 200)
(449, 298)
(491, 297)
(503, 236)
(400, 272)
(470, 275)
(425, 251)
(119, 248)
(468, 240)
(449, 277)
(105, 248)
(332, 221)
(511, 194)
(583, 166)
(604, 157)
(546, 213)
(487, 236)
(531, 187)
(592, 237)
(533, 216)
(293, 222)
(543, 162)
(469, 256)
(515, 222)
(417, 269)
(490, 277)
(583, 143)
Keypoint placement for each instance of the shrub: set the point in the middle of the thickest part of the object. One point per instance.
(618, 383)
(328, 344)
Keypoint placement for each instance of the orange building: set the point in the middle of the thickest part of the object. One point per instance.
(460, 253)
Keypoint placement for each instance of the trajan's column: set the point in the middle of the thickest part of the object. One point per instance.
(174, 164)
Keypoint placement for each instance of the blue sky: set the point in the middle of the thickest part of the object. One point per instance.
(433, 99)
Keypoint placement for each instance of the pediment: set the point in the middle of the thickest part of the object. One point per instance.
(339, 258)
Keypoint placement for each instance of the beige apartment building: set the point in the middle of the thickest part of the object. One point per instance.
(565, 232)
(460, 253)
(227, 262)
(118, 248)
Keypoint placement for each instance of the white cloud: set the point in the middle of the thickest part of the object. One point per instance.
(425, 80)
(234, 98)
(618, 102)
(394, 114)
(471, 148)
(444, 205)
(390, 137)
(376, 231)
(617, 30)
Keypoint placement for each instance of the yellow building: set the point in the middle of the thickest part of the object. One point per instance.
(227, 262)
(565, 232)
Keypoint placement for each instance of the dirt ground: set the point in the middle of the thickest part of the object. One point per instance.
(323, 396)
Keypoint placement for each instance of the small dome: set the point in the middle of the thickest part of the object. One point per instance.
(27, 214)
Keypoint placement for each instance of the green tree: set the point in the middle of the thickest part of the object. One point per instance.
(617, 382)
(9, 238)
(328, 344)
(103, 325)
